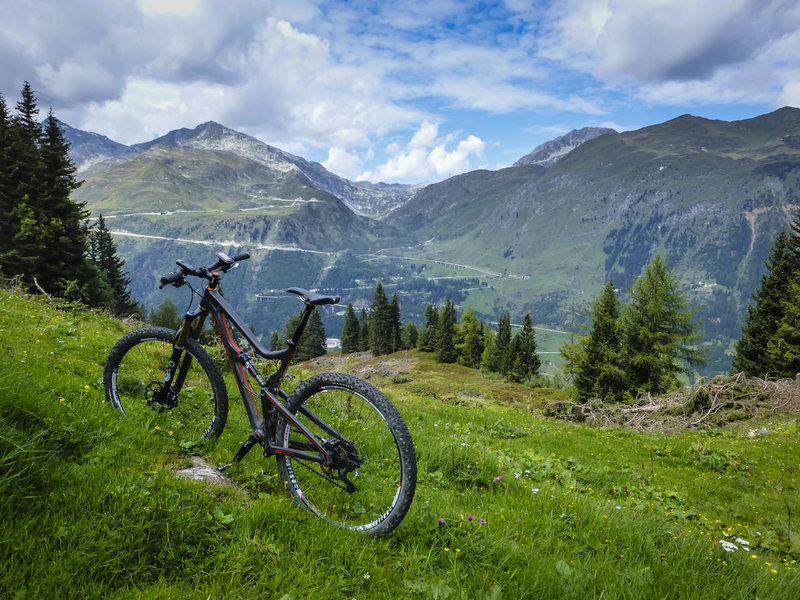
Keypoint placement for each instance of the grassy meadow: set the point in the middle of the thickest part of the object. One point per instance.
(509, 504)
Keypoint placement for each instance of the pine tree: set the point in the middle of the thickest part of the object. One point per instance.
(783, 348)
(445, 343)
(395, 326)
(599, 368)
(6, 197)
(765, 314)
(275, 342)
(430, 330)
(166, 315)
(363, 332)
(497, 360)
(103, 253)
(410, 336)
(471, 347)
(350, 331)
(380, 323)
(523, 361)
(24, 225)
(312, 342)
(63, 253)
(658, 331)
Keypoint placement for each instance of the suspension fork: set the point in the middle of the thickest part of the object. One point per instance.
(191, 326)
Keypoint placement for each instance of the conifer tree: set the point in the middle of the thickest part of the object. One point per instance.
(523, 360)
(6, 197)
(312, 342)
(103, 253)
(497, 360)
(430, 330)
(658, 331)
(783, 348)
(599, 368)
(380, 323)
(275, 342)
(410, 336)
(350, 331)
(166, 315)
(765, 314)
(396, 327)
(471, 347)
(363, 332)
(445, 343)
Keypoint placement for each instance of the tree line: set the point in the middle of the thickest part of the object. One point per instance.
(45, 238)
(471, 342)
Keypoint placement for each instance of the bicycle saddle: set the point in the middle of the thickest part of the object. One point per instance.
(313, 298)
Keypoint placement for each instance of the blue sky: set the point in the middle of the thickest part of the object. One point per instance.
(399, 91)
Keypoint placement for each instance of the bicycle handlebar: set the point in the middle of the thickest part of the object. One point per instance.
(224, 263)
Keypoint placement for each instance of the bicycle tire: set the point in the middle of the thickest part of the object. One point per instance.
(384, 482)
(136, 366)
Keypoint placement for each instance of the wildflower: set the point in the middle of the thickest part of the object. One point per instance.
(447, 549)
(535, 490)
(169, 432)
(483, 521)
(499, 478)
(61, 399)
(470, 517)
(728, 546)
(366, 575)
(157, 428)
(441, 521)
(87, 387)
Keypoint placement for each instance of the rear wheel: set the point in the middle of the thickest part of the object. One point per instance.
(371, 484)
(133, 377)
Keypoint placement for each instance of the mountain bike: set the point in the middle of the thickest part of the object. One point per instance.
(343, 450)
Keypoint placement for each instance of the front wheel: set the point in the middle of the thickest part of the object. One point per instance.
(195, 406)
(371, 484)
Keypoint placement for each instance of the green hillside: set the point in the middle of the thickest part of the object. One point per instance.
(509, 504)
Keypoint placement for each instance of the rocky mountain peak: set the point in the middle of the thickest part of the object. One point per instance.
(551, 152)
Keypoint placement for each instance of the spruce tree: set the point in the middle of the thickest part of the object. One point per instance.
(380, 323)
(765, 314)
(103, 253)
(166, 315)
(6, 197)
(395, 325)
(350, 331)
(430, 330)
(410, 336)
(24, 225)
(658, 331)
(523, 360)
(497, 361)
(599, 370)
(471, 347)
(363, 332)
(312, 342)
(783, 348)
(445, 342)
(275, 342)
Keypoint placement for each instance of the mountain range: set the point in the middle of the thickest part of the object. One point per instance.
(542, 236)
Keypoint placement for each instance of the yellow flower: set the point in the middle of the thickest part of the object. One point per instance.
(157, 428)
(87, 387)
(61, 400)
(169, 432)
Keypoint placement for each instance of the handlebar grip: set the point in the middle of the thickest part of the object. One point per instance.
(242, 256)
(171, 278)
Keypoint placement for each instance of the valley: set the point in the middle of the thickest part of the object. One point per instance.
(542, 236)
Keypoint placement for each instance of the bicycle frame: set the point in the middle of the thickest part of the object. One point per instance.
(226, 321)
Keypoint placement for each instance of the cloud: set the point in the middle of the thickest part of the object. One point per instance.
(678, 52)
(343, 163)
(426, 155)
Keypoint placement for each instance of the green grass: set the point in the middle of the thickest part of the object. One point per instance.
(90, 507)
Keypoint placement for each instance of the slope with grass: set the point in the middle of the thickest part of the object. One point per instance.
(509, 504)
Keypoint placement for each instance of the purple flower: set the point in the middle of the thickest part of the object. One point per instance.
(441, 521)
(469, 518)
(483, 521)
(499, 478)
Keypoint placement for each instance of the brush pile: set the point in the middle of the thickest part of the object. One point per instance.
(721, 400)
